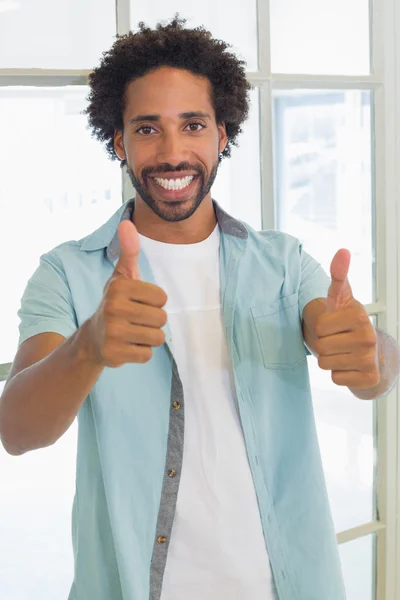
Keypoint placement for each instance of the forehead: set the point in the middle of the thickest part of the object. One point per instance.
(168, 91)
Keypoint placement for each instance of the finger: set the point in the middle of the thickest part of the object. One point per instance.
(116, 355)
(347, 319)
(340, 291)
(136, 334)
(343, 343)
(137, 313)
(364, 363)
(355, 379)
(127, 264)
(121, 290)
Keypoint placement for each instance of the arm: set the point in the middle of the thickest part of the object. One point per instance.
(388, 352)
(52, 374)
(49, 380)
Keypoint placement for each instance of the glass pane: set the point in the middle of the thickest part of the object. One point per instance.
(359, 566)
(67, 34)
(56, 184)
(323, 177)
(234, 21)
(346, 427)
(320, 37)
(239, 176)
(36, 549)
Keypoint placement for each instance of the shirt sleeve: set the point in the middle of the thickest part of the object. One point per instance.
(46, 304)
(314, 283)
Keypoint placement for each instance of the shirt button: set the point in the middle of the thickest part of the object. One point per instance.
(161, 539)
(115, 252)
(176, 405)
(172, 473)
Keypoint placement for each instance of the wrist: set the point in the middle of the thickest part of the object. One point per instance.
(84, 346)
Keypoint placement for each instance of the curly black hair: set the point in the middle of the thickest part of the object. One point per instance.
(136, 54)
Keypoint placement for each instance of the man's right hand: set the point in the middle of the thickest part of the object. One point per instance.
(128, 322)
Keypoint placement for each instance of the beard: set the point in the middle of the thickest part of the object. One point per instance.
(173, 211)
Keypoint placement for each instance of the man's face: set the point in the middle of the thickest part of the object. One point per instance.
(171, 141)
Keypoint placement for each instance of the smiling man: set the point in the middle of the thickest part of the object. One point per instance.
(178, 336)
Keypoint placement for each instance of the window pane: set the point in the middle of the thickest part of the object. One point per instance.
(36, 498)
(345, 428)
(323, 177)
(67, 34)
(57, 184)
(237, 187)
(234, 21)
(320, 37)
(358, 564)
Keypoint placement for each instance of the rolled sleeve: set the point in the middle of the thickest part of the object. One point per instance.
(314, 283)
(46, 304)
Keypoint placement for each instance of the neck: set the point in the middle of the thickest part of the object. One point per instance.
(195, 229)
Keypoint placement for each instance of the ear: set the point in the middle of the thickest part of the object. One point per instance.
(223, 138)
(119, 144)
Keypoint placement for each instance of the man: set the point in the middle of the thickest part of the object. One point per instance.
(198, 469)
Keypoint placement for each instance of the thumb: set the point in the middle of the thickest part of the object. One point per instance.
(127, 264)
(340, 292)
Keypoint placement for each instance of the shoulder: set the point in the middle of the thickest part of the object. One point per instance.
(276, 245)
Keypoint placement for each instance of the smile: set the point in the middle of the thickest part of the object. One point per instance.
(174, 184)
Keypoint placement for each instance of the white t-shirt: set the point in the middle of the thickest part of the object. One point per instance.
(217, 549)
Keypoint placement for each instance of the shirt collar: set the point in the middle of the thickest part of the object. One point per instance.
(107, 235)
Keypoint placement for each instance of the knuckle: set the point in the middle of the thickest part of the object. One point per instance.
(370, 380)
(163, 317)
(319, 346)
(114, 286)
(109, 307)
(370, 361)
(371, 339)
(112, 330)
(337, 378)
(144, 355)
(160, 337)
(377, 379)
(362, 317)
(319, 328)
(160, 297)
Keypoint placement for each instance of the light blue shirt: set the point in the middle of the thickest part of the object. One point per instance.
(131, 426)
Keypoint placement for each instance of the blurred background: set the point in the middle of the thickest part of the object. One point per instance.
(318, 159)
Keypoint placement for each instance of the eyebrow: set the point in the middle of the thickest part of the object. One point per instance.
(156, 118)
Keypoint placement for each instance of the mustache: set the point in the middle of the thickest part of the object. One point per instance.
(167, 168)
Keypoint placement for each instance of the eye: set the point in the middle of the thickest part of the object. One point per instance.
(145, 129)
(195, 126)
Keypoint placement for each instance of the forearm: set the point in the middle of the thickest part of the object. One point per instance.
(40, 403)
(389, 368)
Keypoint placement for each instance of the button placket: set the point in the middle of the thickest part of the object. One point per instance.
(169, 488)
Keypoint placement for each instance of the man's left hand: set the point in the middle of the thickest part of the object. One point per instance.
(347, 343)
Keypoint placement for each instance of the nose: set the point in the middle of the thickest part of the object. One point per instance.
(172, 149)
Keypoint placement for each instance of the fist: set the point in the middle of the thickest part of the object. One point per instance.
(127, 324)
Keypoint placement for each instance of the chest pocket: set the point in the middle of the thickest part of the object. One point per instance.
(279, 333)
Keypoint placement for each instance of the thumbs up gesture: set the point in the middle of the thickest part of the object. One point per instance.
(346, 339)
(128, 322)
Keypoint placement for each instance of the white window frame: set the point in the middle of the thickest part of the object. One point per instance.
(385, 85)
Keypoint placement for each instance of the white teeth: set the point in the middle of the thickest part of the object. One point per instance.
(174, 184)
